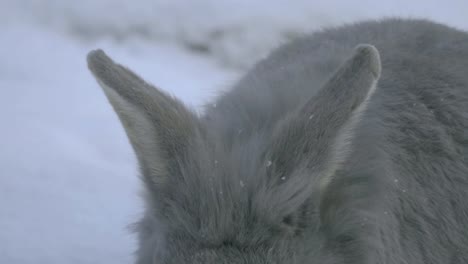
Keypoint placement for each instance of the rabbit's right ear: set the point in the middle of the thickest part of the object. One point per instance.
(322, 130)
(158, 126)
(311, 145)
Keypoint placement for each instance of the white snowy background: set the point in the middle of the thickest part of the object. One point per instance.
(68, 184)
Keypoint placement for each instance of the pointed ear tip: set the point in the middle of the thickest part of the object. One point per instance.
(96, 59)
(373, 57)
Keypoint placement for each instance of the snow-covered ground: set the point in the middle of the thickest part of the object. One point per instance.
(67, 174)
(236, 32)
(68, 185)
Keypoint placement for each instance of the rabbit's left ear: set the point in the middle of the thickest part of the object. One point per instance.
(159, 126)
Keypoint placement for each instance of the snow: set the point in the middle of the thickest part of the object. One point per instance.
(217, 27)
(68, 184)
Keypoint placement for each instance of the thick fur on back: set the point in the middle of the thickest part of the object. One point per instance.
(414, 132)
(303, 163)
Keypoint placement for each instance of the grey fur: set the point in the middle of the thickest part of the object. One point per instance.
(315, 156)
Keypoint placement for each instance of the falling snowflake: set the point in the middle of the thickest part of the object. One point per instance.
(241, 184)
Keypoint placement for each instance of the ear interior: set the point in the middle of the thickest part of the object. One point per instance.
(322, 129)
(350, 195)
(158, 126)
(366, 58)
(319, 136)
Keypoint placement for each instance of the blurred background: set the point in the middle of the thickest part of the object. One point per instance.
(68, 184)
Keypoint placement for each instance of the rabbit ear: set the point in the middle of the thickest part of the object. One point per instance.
(310, 145)
(159, 127)
(320, 133)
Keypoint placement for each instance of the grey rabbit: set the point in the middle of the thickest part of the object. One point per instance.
(346, 146)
